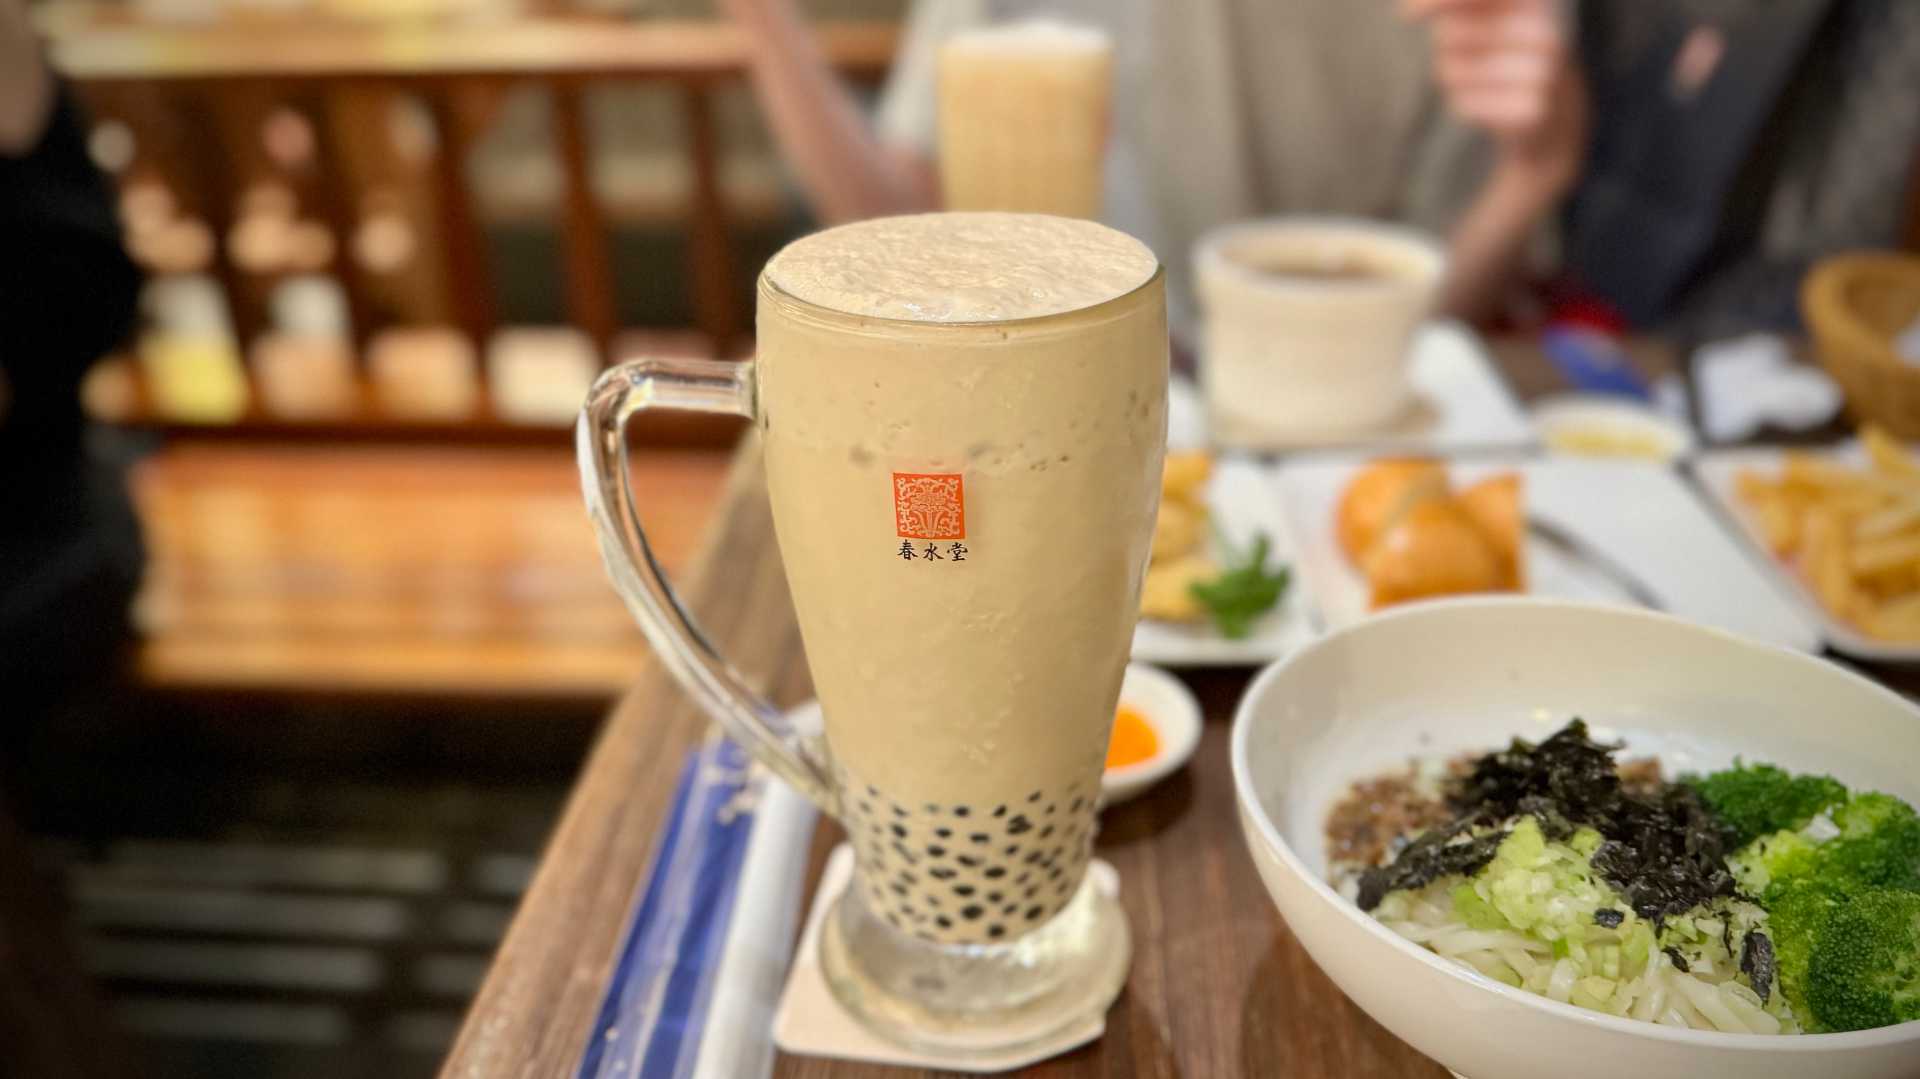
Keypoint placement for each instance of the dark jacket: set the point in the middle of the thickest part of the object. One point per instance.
(70, 553)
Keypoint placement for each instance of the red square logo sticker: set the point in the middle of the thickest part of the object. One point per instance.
(929, 506)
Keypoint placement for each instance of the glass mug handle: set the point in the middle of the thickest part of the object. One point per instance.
(713, 386)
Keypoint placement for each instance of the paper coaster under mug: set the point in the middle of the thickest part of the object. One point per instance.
(811, 1022)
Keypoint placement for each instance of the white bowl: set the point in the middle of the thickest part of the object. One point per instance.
(1169, 707)
(1473, 673)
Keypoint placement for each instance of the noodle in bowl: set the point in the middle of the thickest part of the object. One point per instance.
(1437, 680)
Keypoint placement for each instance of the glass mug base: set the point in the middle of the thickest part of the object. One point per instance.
(986, 1000)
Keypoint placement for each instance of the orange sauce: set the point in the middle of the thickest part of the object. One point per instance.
(1134, 739)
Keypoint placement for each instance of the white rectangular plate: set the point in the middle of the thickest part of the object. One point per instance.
(1641, 515)
(1718, 471)
(1242, 504)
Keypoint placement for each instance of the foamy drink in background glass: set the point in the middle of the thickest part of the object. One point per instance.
(1024, 110)
(963, 417)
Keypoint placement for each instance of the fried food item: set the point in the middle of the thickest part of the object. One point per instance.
(1496, 507)
(1379, 494)
(1177, 530)
(1434, 549)
(1184, 475)
(1168, 593)
(1853, 533)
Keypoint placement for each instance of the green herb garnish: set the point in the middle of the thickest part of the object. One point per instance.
(1244, 591)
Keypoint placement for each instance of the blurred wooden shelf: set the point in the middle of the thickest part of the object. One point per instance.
(106, 49)
(455, 572)
(482, 429)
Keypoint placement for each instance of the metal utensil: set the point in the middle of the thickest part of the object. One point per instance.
(1580, 550)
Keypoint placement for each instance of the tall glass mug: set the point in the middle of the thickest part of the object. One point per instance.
(1024, 110)
(963, 417)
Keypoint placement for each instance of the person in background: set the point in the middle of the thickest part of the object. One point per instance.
(1736, 141)
(1230, 109)
(70, 553)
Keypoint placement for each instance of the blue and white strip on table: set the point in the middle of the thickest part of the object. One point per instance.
(701, 964)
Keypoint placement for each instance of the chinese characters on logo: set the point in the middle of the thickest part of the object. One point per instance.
(930, 507)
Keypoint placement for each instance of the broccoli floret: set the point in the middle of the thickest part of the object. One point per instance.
(1782, 856)
(1796, 911)
(1865, 967)
(1878, 844)
(1756, 799)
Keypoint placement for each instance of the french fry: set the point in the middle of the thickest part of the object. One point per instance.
(1879, 556)
(1900, 515)
(1826, 562)
(1889, 457)
(1895, 620)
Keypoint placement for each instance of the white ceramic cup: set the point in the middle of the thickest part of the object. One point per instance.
(1307, 322)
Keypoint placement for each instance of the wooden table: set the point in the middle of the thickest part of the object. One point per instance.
(1219, 986)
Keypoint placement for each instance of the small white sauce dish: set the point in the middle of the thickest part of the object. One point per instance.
(1601, 425)
(1170, 708)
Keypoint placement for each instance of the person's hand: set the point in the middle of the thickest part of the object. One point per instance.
(1506, 67)
(26, 89)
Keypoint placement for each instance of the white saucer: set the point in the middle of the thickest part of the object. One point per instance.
(1171, 708)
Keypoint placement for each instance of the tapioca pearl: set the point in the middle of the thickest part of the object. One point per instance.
(907, 879)
(994, 872)
(1051, 807)
(963, 890)
(1034, 797)
(932, 900)
(972, 913)
(873, 791)
(932, 808)
(995, 897)
(941, 872)
(901, 833)
(876, 829)
(907, 909)
(935, 850)
(1031, 891)
(1024, 877)
(943, 833)
(943, 921)
(961, 811)
(1077, 803)
(898, 812)
(907, 855)
(1009, 908)
(968, 860)
(893, 920)
(1019, 825)
(1012, 849)
(1000, 811)
(899, 889)
(1034, 912)
(981, 838)
(866, 806)
(1044, 832)
(996, 931)
(1054, 873)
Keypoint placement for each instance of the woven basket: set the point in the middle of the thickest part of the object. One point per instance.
(1854, 304)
